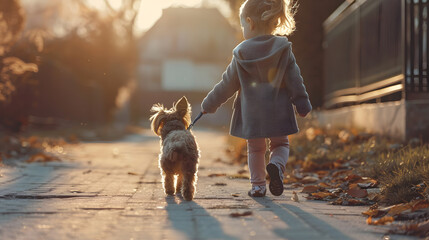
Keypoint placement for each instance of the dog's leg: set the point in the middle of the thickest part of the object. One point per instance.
(189, 171)
(168, 183)
(188, 189)
(179, 183)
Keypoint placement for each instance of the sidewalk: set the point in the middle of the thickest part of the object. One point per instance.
(112, 190)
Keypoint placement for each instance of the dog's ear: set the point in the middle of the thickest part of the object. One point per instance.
(158, 118)
(183, 108)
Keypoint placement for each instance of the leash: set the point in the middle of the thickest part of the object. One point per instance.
(195, 120)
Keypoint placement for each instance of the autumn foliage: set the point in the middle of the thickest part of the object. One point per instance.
(72, 76)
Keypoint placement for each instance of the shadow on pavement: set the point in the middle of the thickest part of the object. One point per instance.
(302, 225)
(193, 220)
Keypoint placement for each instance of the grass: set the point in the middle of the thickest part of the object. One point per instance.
(404, 174)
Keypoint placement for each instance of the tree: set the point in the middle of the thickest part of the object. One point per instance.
(11, 68)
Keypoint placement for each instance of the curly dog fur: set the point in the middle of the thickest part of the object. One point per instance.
(179, 150)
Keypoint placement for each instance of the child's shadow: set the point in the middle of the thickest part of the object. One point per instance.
(302, 225)
(193, 220)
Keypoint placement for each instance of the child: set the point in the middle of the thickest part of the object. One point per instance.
(268, 81)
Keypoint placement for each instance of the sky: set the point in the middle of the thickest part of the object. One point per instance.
(151, 10)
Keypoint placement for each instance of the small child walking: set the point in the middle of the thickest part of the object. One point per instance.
(267, 82)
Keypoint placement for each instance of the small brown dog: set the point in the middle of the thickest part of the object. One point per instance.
(179, 150)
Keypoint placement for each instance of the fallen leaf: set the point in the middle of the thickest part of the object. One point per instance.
(236, 215)
(324, 185)
(416, 229)
(296, 185)
(42, 157)
(309, 179)
(322, 173)
(235, 194)
(310, 189)
(87, 171)
(335, 190)
(370, 184)
(239, 176)
(242, 171)
(374, 213)
(296, 174)
(397, 209)
(295, 197)
(373, 193)
(219, 184)
(419, 204)
(353, 178)
(322, 195)
(133, 173)
(357, 192)
(350, 202)
(341, 172)
(217, 175)
(382, 221)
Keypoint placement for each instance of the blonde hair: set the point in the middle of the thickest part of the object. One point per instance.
(276, 16)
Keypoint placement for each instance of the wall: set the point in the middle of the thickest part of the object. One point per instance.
(384, 118)
(186, 75)
(403, 120)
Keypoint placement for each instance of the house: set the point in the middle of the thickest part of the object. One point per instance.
(376, 67)
(184, 53)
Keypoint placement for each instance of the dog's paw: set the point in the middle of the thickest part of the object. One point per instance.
(169, 192)
(188, 195)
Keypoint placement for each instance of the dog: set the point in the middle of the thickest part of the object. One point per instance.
(179, 150)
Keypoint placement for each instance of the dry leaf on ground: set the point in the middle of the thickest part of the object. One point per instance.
(398, 209)
(239, 176)
(382, 221)
(357, 192)
(310, 189)
(42, 157)
(236, 215)
(217, 175)
(419, 204)
(374, 213)
(323, 195)
(219, 184)
(416, 229)
(309, 179)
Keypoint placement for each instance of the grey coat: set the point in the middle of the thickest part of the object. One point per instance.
(264, 73)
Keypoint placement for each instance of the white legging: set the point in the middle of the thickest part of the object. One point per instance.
(279, 154)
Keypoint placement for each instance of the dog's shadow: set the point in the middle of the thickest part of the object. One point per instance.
(193, 220)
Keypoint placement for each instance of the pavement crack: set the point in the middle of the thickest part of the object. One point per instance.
(13, 196)
(103, 208)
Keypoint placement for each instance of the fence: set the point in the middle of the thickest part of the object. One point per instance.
(417, 50)
(375, 52)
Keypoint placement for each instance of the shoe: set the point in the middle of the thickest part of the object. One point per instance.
(276, 182)
(258, 191)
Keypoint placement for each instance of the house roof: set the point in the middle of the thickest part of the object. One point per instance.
(197, 33)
